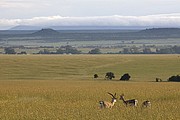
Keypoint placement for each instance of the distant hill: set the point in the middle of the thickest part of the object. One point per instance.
(47, 32)
(161, 31)
(50, 34)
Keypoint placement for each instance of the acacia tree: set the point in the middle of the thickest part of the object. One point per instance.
(95, 51)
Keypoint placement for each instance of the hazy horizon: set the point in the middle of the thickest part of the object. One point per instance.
(162, 13)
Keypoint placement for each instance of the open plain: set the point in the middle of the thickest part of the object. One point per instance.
(62, 87)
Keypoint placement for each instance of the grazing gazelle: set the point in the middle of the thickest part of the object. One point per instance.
(132, 102)
(105, 104)
(146, 104)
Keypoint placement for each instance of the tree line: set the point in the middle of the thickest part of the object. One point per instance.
(62, 50)
(148, 50)
(127, 50)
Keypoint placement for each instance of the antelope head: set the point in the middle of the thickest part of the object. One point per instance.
(114, 98)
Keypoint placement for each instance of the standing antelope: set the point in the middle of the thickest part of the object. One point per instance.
(146, 104)
(105, 104)
(132, 102)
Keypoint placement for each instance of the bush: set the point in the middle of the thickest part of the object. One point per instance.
(96, 76)
(22, 53)
(45, 51)
(95, 51)
(68, 50)
(174, 78)
(158, 80)
(9, 50)
(109, 75)
(125, 77)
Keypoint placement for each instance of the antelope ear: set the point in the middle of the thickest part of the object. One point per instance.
(115, 95)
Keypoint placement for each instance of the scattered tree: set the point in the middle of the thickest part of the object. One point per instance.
(95, 51)
(59, 51)
(109, 75)
(147, 51)
(23, 53)
(158, 80)
(9, 50)
(165, 51)
(67, 50)
(96, 76)
(176, 49)
(45, 51)
(174, 78)
(125, 77)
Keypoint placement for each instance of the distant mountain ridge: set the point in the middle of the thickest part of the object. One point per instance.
(161, 31)
(50, 34)
(26, 27)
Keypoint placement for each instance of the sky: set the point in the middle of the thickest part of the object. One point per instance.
(163, 13)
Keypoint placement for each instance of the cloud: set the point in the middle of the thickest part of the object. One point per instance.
(162, 20)
(7, 4)
(10, 4)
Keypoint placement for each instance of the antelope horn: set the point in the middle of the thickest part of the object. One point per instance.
(111, 94)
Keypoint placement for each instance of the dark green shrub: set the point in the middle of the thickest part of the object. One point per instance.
(125, 77)
(109, 75)
(174, 78)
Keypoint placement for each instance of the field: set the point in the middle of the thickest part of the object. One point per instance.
(62, 87)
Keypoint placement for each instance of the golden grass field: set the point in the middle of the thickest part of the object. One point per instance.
(61, 87)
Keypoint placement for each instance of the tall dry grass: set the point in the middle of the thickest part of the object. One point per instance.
(79, 100)
(62, 87)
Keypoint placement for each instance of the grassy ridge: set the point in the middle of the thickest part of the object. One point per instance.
(61, 87)
(82, 67)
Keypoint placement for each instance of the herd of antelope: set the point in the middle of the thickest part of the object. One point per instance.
(131, 102)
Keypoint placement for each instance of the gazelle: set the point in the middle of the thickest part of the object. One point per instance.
(105, 104)
(146, 104)
(132, 102)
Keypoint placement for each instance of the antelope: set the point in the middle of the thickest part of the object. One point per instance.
(146, 104)
(132, 102)
(105, 104)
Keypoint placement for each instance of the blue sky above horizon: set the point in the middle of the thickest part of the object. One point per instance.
(89, 12)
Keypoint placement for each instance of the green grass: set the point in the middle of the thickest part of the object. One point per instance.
(82, 67)
(52, 87)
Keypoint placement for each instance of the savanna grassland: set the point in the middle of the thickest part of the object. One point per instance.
(51, 87)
